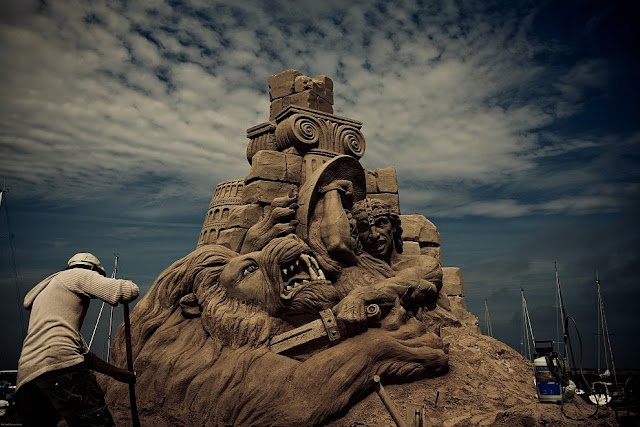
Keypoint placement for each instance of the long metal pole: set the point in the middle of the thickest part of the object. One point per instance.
(386, 400)
(132, 388)
(109, 335)
(95, 327)
(13, 262)
(599, 324)
(113, 276)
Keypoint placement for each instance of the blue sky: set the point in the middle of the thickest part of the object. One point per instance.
(513, 126)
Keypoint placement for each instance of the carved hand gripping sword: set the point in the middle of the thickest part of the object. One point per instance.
(325, 327)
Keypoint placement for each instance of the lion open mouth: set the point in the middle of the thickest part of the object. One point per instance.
(298, 274)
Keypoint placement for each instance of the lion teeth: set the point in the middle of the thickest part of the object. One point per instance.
(304, 264)
(313, 274)
(315, 263)
(306, 259)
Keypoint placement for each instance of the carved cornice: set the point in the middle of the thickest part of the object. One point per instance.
(260, 129)
(260, 138)
(307, 129)
(328, 116)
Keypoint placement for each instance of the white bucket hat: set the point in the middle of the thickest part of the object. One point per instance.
(85, 258)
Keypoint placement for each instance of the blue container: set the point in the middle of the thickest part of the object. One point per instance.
(549, 389)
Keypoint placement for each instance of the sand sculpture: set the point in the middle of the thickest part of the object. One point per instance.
(309, 237)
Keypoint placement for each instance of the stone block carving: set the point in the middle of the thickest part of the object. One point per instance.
(419, 231)
(275, 166)
(282, 84)
(452, 282)
(244, 216)
(391, 199)
(435, 252)
(291, 88)
(372, 181)
(387, 180)
(417, 228)
(265, 191)
(306, 99)
(459, 309)
(320, 85)
(411, 248)
(232, 238)
(290, 82)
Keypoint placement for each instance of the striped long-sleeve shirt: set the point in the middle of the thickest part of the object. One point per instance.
(58, 306)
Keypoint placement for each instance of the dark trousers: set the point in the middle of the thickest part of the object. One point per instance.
(70, 393)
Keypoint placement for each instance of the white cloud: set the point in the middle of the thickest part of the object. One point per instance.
(100, 97)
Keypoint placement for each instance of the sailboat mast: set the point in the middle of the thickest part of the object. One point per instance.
(605, 333)
(568, 348)
(527, 331)
(599, 319)
(561, 311)
(13, 261)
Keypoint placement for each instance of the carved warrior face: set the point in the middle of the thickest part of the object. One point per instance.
(283, 278)
(378, 228)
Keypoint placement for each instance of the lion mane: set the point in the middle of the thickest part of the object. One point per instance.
(174, 349)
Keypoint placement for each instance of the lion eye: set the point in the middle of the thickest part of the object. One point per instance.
(249, 269)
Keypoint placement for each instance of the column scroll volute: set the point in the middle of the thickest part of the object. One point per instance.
(350, 141)
(300, 131)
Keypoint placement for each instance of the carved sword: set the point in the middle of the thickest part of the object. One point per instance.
(325, 327)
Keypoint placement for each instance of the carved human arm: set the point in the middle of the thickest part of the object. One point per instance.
(334, 224)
